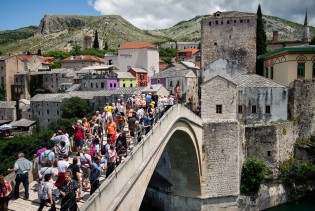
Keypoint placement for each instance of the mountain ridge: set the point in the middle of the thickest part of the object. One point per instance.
(63, 32)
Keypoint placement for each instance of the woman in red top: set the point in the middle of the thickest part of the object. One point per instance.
(5, 193)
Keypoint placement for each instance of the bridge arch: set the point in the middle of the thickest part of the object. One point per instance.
(180, 131)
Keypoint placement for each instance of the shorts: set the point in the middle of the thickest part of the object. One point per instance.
(85, 173)
(79, 143)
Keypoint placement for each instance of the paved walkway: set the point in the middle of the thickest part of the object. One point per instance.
(33, 202)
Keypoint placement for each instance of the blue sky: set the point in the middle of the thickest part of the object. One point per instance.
(20, 13)
(147, 14)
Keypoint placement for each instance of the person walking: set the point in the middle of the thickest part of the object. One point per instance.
(45, 194)
(96, 169)
(5, 193)
(68, 193)
(79, 135)
(21, 167)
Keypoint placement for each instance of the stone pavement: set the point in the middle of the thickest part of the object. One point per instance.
(33, 202)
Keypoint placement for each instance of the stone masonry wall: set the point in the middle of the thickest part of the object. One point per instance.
(231, 38)
(218, 91)
(302, 106)
(221, 159)
(271, 143)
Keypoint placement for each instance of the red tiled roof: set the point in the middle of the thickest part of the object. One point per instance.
(26, 57)
(133, 45)
(85, 58)
(47, 57)
(192, 50)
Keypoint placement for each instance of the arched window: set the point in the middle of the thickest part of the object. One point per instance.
(301, 70)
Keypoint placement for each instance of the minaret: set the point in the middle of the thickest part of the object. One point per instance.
(306, 31)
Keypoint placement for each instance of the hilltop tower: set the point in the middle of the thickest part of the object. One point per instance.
(231, 36)
(306, 31)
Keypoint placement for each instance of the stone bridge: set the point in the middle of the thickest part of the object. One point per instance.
(204, 159)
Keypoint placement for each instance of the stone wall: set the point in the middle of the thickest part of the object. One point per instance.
(221, 159)
(269, 195)
(231, 36)
(261, 97)
(271, 143)
(215, 92)
(302, 106)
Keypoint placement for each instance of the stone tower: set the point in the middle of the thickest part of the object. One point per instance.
(230, 36)
(87, 41)
(306, 31)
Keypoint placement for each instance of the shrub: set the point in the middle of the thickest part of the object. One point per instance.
(254, 172)
(295, 172)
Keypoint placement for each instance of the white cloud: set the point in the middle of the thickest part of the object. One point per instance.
(157, 14)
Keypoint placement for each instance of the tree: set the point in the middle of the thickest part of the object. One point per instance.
(312, 41)
(261, 46)
(74, 107)
(96, 44)
(254, 172)
(106, 46)
(39, 52)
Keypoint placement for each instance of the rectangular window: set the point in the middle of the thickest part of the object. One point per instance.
(254, 109)
(48, 112)
(268, 109)
(227, 22)
(301, 70)
(219, 109)
(266, 72)
(91, 85)
(269, 153)
(240, 109)
(57, 112)
(271, 73)
(313, 70)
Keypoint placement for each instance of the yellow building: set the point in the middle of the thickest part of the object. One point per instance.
(126, 79)
(287, 64)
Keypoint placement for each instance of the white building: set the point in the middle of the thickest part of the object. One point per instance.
(143, 55)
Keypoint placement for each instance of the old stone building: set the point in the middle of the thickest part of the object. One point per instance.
(252, 99)
(218, 99)
(260, 100)
(8, 67)
(33, 63)
(182, 75)
(50, 80)
(78, 62)
(231, 36)
(8, 110)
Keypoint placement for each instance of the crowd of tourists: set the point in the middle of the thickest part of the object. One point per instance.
(101, 143)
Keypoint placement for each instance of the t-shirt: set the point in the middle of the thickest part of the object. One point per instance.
(75, 169)
(62, 166)
(111, 128)
(47, 189)
(84, 159)
(46, 170)
(61, 152)
(78, 133)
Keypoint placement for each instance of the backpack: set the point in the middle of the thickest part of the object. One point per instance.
(41, 191)
(92, 150)
(104, 149)
(45, 159)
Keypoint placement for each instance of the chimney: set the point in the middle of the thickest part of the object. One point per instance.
(275, 36)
